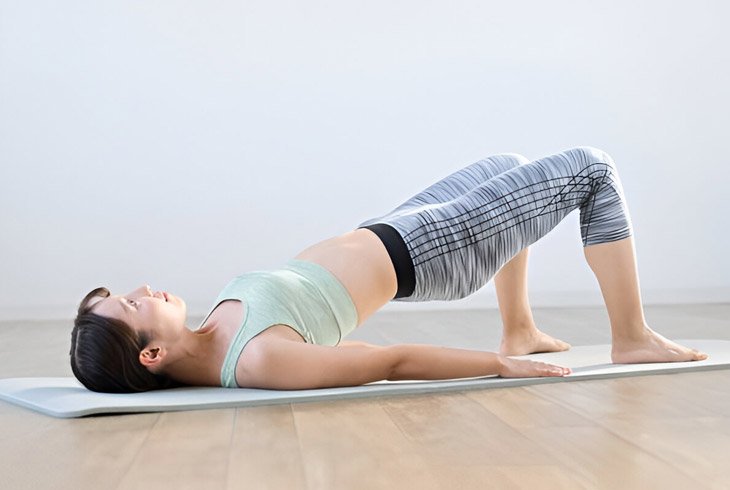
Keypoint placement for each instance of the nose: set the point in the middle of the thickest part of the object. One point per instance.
(147, 291)
(142, 291)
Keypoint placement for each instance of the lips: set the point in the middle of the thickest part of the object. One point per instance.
(165, 295)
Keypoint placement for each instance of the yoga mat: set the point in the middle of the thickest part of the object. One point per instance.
(66, 397)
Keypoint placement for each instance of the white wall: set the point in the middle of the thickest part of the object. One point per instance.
(181, 143)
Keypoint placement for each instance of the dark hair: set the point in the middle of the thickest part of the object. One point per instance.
(105, 353)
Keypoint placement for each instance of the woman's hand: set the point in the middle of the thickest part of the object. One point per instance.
(521, 368)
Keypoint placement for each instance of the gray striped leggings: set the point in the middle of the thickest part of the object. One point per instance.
(449, 240)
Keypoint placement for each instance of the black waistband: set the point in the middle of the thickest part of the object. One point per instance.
(399, 255)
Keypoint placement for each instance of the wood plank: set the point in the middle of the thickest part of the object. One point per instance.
(72, 453)
(183, 450)
(265, 452)
(681, 419)
(592, 455)
(568, 423)
(696, 446)
(521, 409)
(633, 398)
(467, 446)
(354, 444)
(597, 458)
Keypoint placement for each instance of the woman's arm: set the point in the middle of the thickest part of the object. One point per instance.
(352, 343)
(289, 365)
(422, 361)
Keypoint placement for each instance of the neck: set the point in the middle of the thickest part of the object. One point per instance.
(197, 358)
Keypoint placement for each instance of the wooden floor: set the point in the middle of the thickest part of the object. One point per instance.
(661, 431)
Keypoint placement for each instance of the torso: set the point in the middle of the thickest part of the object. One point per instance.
(358, 259)
(362, 264)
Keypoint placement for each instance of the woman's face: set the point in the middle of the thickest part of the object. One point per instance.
(158, 313)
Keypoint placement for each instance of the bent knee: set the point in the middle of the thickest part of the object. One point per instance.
(592, 155)
(516, 157)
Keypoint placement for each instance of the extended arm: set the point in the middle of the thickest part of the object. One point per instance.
(422, 361)
(289, 365)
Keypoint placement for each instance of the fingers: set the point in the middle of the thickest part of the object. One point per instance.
(545, 369)
(699, 356)
(529, 369)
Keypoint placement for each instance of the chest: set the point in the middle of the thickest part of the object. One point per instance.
(227, 318)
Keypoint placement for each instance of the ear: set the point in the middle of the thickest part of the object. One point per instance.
(151, 357)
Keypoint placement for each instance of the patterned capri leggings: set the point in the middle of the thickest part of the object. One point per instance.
(451, 239)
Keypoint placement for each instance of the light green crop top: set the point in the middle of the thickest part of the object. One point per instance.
(302, 295)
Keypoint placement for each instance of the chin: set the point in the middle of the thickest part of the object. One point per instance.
(177, 300)
(183, 309)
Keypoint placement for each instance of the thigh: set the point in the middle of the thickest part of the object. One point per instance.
(458, 246)
(458, 183)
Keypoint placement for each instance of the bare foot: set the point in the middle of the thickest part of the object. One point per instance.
(531, 341)
(653, 348)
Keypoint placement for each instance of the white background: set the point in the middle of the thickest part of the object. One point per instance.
(182, 143)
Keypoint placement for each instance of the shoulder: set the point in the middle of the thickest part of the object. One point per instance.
(251, 351)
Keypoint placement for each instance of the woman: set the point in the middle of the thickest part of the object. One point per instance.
(282, 329)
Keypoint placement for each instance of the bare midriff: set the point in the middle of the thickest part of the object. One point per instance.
(360, 261)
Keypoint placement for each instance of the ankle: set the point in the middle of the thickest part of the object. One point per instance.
(624, 334)
(521, 330)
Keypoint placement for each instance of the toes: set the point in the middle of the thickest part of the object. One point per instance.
(551, 344)
(559, 345)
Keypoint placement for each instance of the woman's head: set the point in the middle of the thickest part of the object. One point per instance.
(118, 343)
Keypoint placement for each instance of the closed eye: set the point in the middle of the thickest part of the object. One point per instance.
(126, 305)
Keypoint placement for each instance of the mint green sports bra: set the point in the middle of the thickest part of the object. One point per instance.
(302, 295)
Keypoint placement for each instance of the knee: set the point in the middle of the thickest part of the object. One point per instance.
(590, 155)
(599, 167)
(516, 157)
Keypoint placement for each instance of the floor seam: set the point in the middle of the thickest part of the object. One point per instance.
(139, 450)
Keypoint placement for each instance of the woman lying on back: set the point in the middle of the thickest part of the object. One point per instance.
(283, 328)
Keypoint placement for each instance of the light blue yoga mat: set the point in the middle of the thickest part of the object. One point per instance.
(66, 397)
